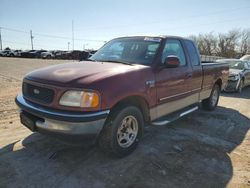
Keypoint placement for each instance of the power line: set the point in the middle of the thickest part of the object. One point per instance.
(37, 45)
(187, 26)
(7, 41)
(50, 36)
(66, 38)
(15, 30)
(163, 21)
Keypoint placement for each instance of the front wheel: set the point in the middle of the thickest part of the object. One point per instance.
(211, 102)
(122, 132)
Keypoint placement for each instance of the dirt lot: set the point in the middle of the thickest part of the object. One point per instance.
(204, 149)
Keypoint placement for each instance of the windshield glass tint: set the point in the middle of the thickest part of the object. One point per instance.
(135, 51)
(236, 65)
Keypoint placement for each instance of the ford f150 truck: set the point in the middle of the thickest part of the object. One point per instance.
(130, 82)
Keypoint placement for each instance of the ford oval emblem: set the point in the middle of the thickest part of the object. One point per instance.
(36, 91)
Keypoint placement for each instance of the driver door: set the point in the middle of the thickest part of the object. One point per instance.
(173, 84)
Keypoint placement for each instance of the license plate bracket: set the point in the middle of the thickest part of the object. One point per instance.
(28, 120)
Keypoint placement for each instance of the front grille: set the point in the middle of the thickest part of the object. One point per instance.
(231, 85)
(37, 93)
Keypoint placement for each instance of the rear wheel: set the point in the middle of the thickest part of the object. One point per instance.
(122, 132)
(211, 102)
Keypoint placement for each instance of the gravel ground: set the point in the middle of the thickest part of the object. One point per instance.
(203, 149)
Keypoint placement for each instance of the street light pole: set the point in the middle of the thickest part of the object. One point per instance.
(31, 39)
(68, 45)
(1, 45)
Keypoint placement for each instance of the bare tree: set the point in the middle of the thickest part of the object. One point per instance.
(234, 43)
(244, 45)
(227, 44)
(206, 43)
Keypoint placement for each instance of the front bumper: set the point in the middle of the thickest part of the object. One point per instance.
(232, 85)
(62, 123)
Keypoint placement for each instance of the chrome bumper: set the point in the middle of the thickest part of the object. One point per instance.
(57, 121)
(72, 128)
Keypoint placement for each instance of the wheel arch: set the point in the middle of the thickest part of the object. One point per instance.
(219, 82)
(135, 100)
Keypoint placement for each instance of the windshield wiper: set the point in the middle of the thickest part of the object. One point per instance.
(117, 61)
(90, 60)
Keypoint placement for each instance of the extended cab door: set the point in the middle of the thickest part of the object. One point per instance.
(173, 84)
(197, 74)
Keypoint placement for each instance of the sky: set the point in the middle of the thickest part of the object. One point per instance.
(98, 21)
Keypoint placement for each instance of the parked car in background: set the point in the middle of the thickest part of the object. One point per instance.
(245, 58)
(84, 55)
(26, 53)
(74, 54)
(37, 53)
(17, 53)
(92, 52)
(1, 53)
(48, 55)
(60, 54)
(6, 53)
(239, 74)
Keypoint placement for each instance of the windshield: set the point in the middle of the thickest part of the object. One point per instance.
(236, 65)
(128, 50)
(246, 57)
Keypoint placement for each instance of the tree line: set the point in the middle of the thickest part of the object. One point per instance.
(232, 44)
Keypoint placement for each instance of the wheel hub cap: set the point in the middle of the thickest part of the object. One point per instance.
(127, 131)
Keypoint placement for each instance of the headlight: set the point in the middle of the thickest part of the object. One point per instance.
(235, 77)
(80, 99)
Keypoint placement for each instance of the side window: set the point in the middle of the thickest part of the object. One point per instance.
(173, 47)
(193, 55)
(247, 65)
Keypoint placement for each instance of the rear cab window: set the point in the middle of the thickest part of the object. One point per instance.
(192, 53)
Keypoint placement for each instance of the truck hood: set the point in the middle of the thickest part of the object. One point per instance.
(85, 72)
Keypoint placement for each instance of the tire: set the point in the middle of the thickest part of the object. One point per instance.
(240, 87)
(212, 102)
(122, 132)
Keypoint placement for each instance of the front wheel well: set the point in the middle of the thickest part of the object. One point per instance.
(137, 101)
(219, 82)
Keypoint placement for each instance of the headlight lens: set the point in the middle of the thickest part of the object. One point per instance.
(83, 99)
(235, 77)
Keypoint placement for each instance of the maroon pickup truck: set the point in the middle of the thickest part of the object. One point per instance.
(127, 84)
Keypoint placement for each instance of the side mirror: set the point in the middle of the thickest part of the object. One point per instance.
(172, 61)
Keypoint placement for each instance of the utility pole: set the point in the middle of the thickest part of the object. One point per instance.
(1, 45)
(72, 34)
(84, 46)
(68, 45)
(31, 39)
